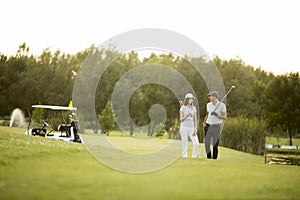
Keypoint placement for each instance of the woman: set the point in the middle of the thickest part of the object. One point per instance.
(188, 125)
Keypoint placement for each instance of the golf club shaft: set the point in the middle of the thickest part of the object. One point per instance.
(224, 98)
(227, 93)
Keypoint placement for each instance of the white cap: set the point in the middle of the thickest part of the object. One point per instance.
(189, 95)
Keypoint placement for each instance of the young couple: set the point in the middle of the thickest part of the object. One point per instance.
(215, 114)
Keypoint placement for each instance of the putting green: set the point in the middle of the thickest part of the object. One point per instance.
(39, 168)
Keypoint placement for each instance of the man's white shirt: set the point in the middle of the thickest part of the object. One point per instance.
(210, 107)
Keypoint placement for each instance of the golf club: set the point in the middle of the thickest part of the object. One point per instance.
(181, 103)
(214, 112)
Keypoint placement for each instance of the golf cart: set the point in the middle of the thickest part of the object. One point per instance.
(66, 131)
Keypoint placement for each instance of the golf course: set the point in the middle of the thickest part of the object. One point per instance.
(40, 168)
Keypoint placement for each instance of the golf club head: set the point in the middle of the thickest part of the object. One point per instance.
(232, 87)
(181, 103)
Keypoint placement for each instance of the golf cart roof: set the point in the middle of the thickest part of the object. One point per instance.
(54, 107)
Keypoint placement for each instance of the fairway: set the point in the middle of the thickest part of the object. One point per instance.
(39, 168)
(282, 141)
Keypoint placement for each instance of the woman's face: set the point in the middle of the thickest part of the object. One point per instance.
(190, 101)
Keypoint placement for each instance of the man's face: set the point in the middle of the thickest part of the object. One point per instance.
(212, 98)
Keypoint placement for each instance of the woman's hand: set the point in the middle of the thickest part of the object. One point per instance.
(195, 132)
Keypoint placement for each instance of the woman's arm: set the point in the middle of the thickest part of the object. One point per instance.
(181, 118)
(195, 124)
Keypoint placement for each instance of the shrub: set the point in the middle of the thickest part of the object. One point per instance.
(106, 119)
(243, 134)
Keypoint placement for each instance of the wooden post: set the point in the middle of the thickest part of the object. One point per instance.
(265, 156)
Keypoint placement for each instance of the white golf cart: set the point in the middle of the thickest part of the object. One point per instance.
(67, 131)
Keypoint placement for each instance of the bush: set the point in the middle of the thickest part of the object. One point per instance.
(53, 118)
(106, 119)
(243, 134)
(160, 130)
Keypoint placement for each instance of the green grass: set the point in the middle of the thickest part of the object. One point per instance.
(282, 141)
(39, 168)
(284, 151)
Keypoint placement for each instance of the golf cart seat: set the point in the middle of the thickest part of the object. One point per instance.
(39, 131)
(65, 128)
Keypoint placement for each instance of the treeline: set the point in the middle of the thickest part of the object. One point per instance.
(49, 78)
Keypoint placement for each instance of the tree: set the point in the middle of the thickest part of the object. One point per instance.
(106, 118)
(282, 103)
(49, 79)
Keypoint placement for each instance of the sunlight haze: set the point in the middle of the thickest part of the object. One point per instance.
(262, 33)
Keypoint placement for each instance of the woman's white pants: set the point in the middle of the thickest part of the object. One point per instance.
(186, 132)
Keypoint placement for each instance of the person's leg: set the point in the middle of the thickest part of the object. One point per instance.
(215, 150)
(216, 139)
(195, 142)
(207, 143)
(184, 141)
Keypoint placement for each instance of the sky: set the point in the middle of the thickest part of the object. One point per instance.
(262, 33)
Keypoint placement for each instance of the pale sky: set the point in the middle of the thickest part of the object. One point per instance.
(262, 33)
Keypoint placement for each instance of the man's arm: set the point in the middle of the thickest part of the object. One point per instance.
(204, 121)
(223, 115)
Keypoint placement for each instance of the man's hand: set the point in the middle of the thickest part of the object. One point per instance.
(214, 113)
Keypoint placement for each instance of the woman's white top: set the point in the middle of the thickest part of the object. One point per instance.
(189, 121)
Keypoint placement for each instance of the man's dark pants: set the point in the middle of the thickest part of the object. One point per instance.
(212, 131)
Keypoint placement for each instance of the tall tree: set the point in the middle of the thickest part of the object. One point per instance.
(282, 103)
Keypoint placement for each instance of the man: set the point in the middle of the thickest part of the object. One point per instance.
(215, 114)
